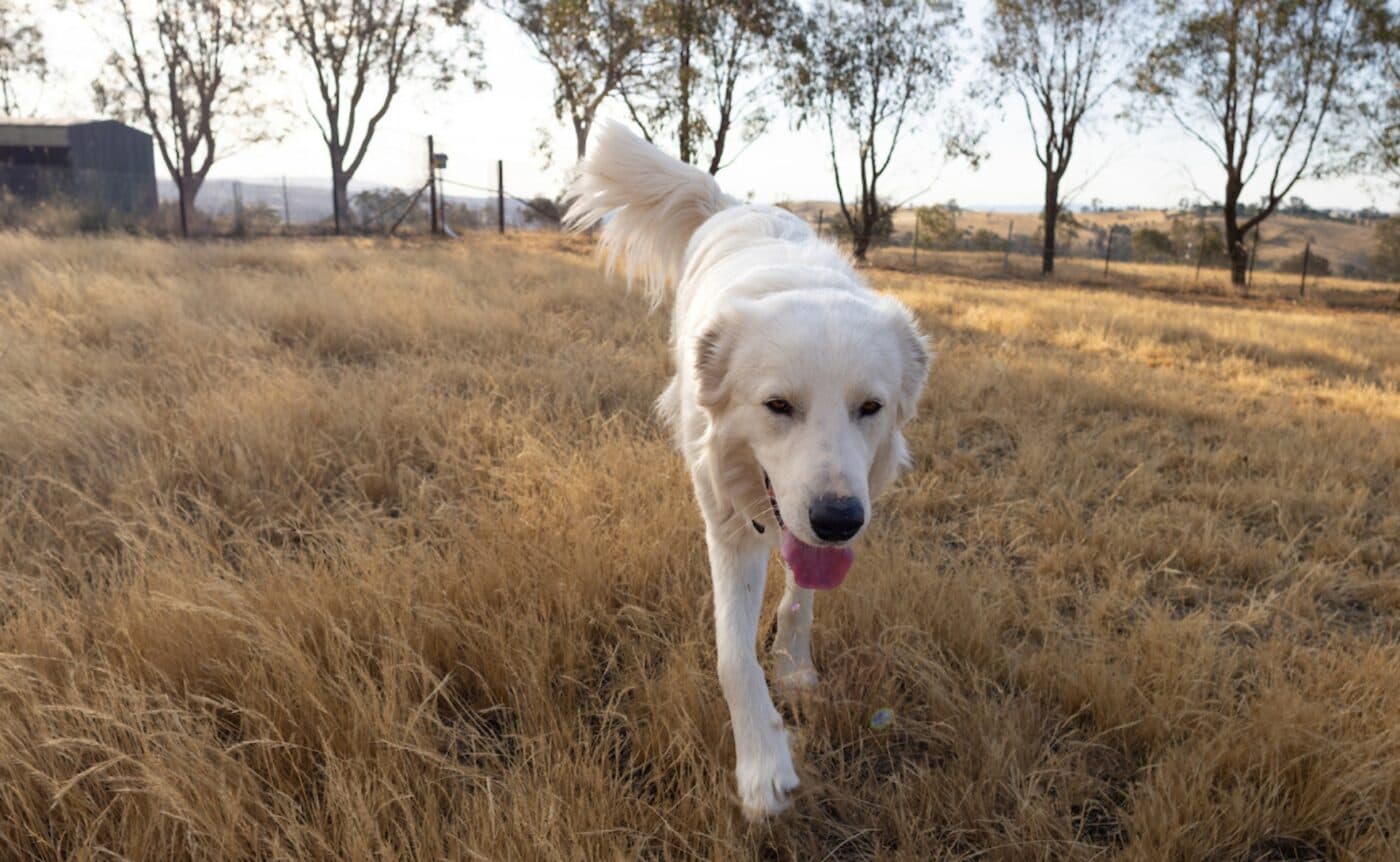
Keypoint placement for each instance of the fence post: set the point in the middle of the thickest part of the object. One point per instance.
(1200, 247)
(432, 185)
(1108, 250)
(238, 226)
(821, 214)
(1303, 285)
(500, 196)
(1006, 253)
(916, 239)
(286, 208)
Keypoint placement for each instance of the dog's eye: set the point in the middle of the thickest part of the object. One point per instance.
(870, 408)
(779, 406)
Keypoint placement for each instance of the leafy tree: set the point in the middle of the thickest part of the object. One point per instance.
(1153, 245)
(593, 47)
(869, 71)
(186, 69)
(1060, 57)
(1267, 86)
(707, 68)
(362, 52)
(938, 224)
(21, 54)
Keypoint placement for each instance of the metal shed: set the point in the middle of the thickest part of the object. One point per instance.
(91, 161)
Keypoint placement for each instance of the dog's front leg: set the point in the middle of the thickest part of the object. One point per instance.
(792, 645)
(739, 567)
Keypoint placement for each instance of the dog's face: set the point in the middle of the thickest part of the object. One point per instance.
(816, 385)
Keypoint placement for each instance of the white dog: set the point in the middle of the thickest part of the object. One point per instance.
(793, 379)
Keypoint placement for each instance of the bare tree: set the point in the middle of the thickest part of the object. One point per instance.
(1060, 57)
(705, 77)
(1267, 86)
(186, 69)
(592, 46)
(362, 53)
(870, 71)
(21, 54)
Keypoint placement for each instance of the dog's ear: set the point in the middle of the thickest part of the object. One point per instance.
(915, 358)
(712, 353)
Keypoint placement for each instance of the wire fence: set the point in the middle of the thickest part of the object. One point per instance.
(1329, 260)
(1181, 251)
(58, 200)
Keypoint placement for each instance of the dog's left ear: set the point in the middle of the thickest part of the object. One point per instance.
(712, 353)
(915, 358)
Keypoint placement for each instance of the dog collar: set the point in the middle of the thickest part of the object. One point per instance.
(772, 502)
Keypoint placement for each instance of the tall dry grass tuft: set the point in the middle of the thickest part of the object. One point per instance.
(361, 550)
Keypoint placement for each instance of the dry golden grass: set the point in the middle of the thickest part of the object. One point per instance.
(318, 550)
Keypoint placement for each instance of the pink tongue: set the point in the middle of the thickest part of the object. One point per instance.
(816, 568)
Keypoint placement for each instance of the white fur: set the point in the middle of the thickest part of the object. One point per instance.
(763, 309)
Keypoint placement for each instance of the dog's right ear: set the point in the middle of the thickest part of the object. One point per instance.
(712, 354)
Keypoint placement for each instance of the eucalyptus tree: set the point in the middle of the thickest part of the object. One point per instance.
(707, 74)
(1271, 88)
(869, 72)
(362, 53)
(22, 58)
(1060, 58)
(186, 69)
(593, 47)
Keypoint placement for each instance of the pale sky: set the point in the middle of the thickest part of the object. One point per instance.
(1156, 166)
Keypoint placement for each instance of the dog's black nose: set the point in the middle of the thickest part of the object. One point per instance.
(836, 519)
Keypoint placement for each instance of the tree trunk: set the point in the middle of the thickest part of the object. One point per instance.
(340, 199)
(1234, 236)
(581, 138)
(861, 231)
(860, 242)
(1052, 218)
(186, 204)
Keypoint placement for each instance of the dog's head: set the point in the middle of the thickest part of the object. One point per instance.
(816, 384)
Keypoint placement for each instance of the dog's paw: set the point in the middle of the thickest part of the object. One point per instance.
(766, 780)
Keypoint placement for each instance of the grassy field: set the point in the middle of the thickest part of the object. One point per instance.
(321, 550)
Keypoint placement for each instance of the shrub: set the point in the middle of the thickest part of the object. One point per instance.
(1317, 264)
(938, 225)
(1152, 245)
(986, 240)
(1386, 259)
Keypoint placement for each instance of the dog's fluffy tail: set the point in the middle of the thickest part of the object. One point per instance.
(655, 204)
